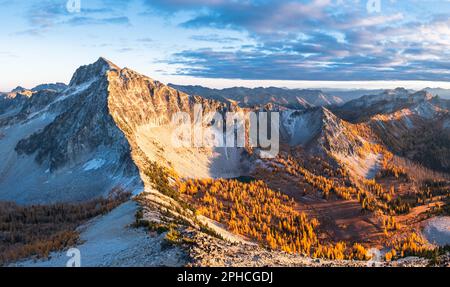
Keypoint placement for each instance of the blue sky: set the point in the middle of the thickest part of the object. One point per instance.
(229, 42)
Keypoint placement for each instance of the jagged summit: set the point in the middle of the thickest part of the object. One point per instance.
(422, 96)
(400, 90)
(18, 89)
(106, 62)
(88, 73)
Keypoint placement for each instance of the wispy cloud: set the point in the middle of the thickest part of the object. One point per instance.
(246, 39)
(76, 21)
(317, 39)
(214, 38)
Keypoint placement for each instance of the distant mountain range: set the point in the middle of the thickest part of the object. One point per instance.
(277, 97)
(443, 93)
(414, 125)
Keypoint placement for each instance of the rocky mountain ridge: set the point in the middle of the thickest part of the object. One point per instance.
(259, 97)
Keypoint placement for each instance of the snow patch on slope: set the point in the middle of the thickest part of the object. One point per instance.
(406, 118)
(438, 231)
(24, 181)
(75, 90)
(110, 241)
(426, 110)
(299, 128)
(156, 142)
(363, 167)
(94, 164)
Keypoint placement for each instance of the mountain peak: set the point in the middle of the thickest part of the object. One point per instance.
(18, 89)
(401, 89)
(92, 71)
(422, 95)
(105, 62)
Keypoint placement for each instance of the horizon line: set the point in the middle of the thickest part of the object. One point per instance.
(310, 84)
(222, 83)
